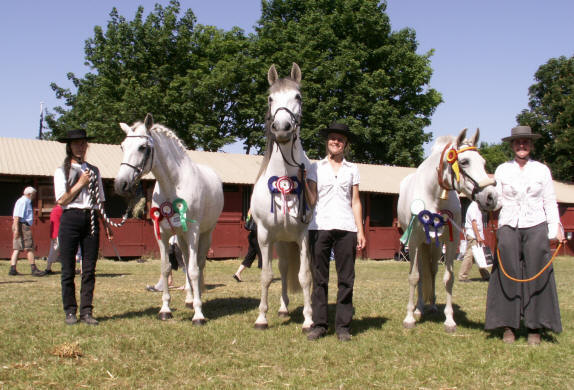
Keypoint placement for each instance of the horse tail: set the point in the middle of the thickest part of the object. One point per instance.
(428, 275)
(289, 260)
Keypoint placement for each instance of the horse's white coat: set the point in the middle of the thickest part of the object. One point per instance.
(423, 184)
(177, 176)
(283, 230)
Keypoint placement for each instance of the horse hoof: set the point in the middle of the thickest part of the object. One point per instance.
(165, 316)
(408, 325)
(189, 305)
(417, 316)
(283, 314)
(450, 328)
(306, 330)
(200, 322)
(261, 326)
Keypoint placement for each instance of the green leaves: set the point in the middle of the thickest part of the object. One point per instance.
(210, 85)
(552, 115)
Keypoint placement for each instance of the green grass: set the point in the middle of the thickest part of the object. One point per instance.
(132, 349)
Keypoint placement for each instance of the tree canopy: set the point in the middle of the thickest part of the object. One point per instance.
(210, 87)
(551, 114)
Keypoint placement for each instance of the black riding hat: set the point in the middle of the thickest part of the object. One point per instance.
(74, 135)
(338, 128)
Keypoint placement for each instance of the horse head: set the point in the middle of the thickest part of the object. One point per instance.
(138, 149)
(284, 115)
(466, 171)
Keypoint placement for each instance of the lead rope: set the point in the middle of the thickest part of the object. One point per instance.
(94, 190)
(535, 276)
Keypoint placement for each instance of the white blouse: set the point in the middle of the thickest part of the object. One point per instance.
(82, 201)
(334, 194)
(526, 196)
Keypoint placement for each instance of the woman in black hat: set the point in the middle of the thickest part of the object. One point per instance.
(79, 225)
(528, 219)
(336, 225)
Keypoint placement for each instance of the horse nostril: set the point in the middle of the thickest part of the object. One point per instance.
(125, 186)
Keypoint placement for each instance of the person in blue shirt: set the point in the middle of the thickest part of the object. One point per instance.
(22, 232)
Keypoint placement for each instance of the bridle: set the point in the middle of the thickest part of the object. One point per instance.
(148, 155)
(456, 171)
(295, 123)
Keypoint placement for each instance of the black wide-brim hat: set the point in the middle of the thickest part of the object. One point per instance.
(74, 135)
(338, 128)
(521, 132)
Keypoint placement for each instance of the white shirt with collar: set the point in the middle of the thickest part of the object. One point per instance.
(82, 201)
(334, 194)
(526, 196)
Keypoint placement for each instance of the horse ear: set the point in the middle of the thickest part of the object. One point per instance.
(148, 121)
(272, 75)
(461, 137)
(296, 73)
(475, 138)
(125, 128)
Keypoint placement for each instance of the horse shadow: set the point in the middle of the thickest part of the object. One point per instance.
(358, 325)
(460, 317)
(18, 281)
(149, 312)
(222, 307)
(111, 275)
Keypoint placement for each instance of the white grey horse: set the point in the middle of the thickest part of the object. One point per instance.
(187, 201)
(277, 203)
(436, 183)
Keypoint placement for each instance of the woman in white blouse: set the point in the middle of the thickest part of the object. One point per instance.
(336, 227)
(528, 219)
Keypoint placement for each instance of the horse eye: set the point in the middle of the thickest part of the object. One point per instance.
(270, 100)
(298, 97)
(464, 162)
(142, 148)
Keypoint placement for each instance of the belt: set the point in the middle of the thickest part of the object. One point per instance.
(24, 223)
(77, 209)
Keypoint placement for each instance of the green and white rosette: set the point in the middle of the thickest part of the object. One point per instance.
(417, 206)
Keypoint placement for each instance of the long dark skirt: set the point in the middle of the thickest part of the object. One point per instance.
(523, 252)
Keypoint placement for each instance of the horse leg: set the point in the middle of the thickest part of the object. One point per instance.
(449, 324)
(266, 277)
(194, 275)
(165, 311)
(283, 252)
(430, 270)
(188, 294)
(409, 321)
(306, 282)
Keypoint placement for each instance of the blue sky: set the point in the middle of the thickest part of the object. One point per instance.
(486, 52)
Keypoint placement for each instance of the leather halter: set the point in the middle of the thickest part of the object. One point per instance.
(440, 169)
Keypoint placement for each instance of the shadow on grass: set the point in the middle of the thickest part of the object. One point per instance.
(460, 317)
(522, 333)
(18, 281)
(221, 307)
(111, 275)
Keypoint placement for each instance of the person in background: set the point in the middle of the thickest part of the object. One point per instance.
(528, 220)
(23, 219)
(79, 225)
(336, 224)
(54, 254)
(474, 232)
(253, 249)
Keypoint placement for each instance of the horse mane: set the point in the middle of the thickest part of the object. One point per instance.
(168, 133)
(279, 85)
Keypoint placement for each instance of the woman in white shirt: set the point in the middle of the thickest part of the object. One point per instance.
(336, 226)
(528, 219)
(79, 226)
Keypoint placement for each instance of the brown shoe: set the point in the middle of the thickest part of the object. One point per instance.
(533, 337)
(508, 336)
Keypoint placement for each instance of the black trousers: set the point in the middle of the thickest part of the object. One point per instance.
(344, 245)
(253, 250)
(75, 229)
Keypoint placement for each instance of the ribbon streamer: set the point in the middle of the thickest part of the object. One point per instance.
(166, 210)
(449, 218)
(284, 185)
(428, 220)
(181, 206)
(156, 217)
